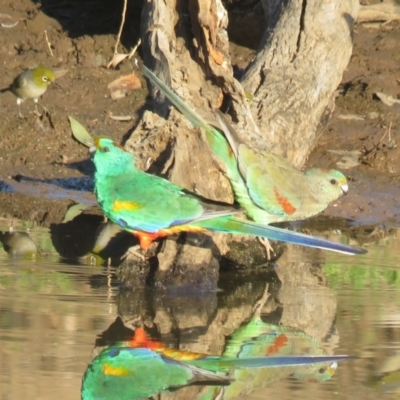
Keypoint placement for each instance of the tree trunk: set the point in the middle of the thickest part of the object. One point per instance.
(291, 83)
(304, 51)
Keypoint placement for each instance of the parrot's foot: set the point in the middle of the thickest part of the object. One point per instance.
(132, 251)
(268, 247)
(261, 302)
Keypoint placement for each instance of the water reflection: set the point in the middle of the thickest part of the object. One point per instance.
(386, 375)
(18, 243)
(53, 306)
(256, 355)
(85, 238)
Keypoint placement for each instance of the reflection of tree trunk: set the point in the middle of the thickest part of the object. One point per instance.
(201, 322)
(291, 82)
(308, 303)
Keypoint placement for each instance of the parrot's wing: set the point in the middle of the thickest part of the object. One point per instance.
(274, 184)
(272, 181)
(150, 203)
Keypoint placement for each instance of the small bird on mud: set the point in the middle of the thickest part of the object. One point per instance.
(266, 185)
(151, 207)
(31, 84)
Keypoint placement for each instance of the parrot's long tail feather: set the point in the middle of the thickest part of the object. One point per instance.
(217, 141)
(224, 364)
(228, 130)
(241, 226)
(195, 119)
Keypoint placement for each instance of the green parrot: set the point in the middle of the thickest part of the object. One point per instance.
(151, 207)
(134, 373)
(267, 186)
(143, 368)
(258, 338)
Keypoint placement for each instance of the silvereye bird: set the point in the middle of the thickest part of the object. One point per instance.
(31, 84)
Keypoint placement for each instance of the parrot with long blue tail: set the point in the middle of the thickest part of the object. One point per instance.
(151, 207)
(257, 338)
(266, 185)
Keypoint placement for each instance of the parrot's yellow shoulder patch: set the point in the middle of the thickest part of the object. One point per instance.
(120, 205)
(115, 371)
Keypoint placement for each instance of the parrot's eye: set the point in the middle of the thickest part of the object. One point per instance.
(114, 352)
(321, 370)
(105, 149)
(333, 181)
(45, 78)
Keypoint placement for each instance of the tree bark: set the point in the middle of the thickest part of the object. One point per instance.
(296, 71)
(291, 83)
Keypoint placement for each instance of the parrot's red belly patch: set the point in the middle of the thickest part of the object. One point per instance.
(284, 202)
(142, 340)
(147, 238)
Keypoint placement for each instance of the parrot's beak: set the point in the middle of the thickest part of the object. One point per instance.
(94, 145)
(344, 188)
(92, 149)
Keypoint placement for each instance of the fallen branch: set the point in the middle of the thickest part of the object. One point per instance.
(388, 11)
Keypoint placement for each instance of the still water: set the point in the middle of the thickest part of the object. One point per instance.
(57, 314)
